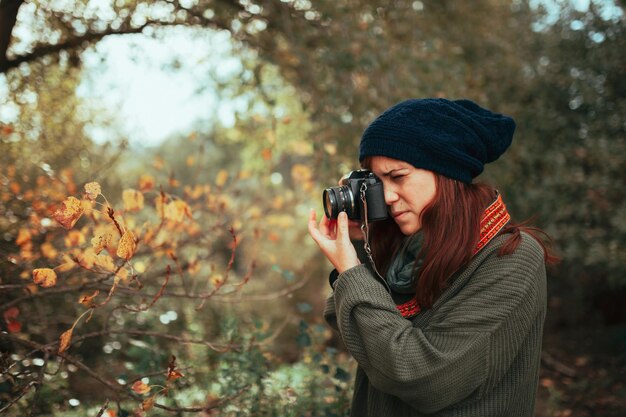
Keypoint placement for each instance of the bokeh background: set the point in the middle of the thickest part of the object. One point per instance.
(184, 282)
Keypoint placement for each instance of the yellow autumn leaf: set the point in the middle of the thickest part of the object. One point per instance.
(133, 200)
(44, 277)
(216, 279)
(92, 190)
(102, 240)
(105, 262)
(191, 160)
(64, 340)
(88, 258)
(48, 250)
(69, 213)
(146, 183)
(177, 210)
(127, 246)
(140, 388)
(221, 178)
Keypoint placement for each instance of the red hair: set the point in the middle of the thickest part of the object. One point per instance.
(451, 227)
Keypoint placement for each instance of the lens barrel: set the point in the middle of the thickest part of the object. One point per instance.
(338, 199)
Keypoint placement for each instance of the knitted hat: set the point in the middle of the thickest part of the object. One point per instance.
(453, 138)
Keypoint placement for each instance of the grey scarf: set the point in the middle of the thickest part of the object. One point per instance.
(400, 276)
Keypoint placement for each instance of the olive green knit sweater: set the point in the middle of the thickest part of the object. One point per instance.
(476, 352)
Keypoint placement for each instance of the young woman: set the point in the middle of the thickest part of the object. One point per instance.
(455, 328)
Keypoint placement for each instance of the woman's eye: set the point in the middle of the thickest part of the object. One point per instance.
(397, 177)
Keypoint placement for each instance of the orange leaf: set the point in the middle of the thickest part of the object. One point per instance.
(69, 213)
(14, 326)
(140, 388)
(148, 403)
(87, 300)
(92, 190)
(10, 317)
(23, 237)
(127, 246)
(74, 238)
(133, 200)
(146, 183)
(174, 374)
(48, 250)
(64, 340)
(11, 313)
(45, 277)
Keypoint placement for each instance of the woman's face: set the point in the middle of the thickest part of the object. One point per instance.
(407, 191)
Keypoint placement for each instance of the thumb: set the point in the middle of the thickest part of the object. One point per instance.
(342, 226)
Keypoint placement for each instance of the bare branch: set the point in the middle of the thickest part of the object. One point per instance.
(8, 17)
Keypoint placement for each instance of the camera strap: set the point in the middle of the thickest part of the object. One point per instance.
(366, 238)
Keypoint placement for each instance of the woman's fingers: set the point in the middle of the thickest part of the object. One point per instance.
(315, 234)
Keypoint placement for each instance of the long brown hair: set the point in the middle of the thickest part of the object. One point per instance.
(451, 228)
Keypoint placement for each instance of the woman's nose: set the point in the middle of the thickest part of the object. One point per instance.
(390, 196)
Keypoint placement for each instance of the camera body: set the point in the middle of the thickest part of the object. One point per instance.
(347, 197)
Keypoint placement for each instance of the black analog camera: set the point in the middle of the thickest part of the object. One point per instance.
(347, 197)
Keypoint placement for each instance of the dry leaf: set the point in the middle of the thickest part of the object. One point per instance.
(69, 213)
(45, 277)
(148, 403)
(87, 300)
(140, 388)
(133, 200)
(92, 190)
(64, 340)
(127, 246)
(174, 374)
(102, 240)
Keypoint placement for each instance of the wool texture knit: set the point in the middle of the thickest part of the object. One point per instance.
(454, 138)
(476, 352)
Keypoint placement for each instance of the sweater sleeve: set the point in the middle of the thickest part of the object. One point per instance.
(329, 310)
(471, 338)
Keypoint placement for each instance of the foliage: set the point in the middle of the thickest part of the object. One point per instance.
(188, 265)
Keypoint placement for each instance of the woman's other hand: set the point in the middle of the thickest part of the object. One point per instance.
(333, 238)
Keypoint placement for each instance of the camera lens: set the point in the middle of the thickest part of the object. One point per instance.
(336, 200)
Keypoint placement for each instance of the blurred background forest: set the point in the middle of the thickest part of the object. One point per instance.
(158, 159)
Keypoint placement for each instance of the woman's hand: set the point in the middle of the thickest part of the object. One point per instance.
(333, 238)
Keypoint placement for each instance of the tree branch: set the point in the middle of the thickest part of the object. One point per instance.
(8, 17)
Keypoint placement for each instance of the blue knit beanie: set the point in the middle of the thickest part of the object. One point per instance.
(453, 138)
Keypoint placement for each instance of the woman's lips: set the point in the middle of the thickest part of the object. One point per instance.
(399, 214)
